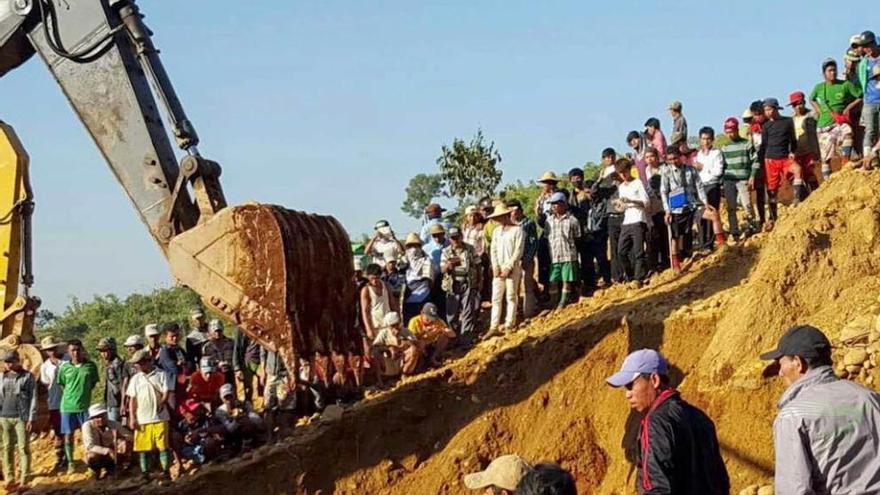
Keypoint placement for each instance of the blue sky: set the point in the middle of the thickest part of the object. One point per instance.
(332, 106)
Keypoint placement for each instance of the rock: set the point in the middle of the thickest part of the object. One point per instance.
(476, 400)
(332, 413)
(868, 364)
(765, 490)
(750, 490)
(863, 374)
(858, 328)
(855, 357)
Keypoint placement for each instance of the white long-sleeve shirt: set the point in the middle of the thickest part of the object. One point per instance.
(713, 166)
(634, 190)
(507, 247)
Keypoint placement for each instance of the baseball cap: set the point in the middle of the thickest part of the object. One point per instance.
(106, 343)
(133, 340)
(196, 313)
(454, 232)
(801, 340)
(557, 197)
(866, 38)
(770, 102)
(207, 364)
(190, 405)
(747, 114)
(852, 55)
(504, 472)
(434, 208)
(675, 105)
(796, 98)
(215, 324)
(430, 310)
(731, 123)
(392, 318)
(97, 410)
(139, 356)
(637, 363)
(151, 330)
(226, 389)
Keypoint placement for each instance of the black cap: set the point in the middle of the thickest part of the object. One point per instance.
(867, 38)
(805, 341)
(579, 172)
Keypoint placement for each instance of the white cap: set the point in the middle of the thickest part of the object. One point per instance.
(133, 340)
(215, 325)
(392, 318)
(504, 472)
(226, 389)
(97, 410)
(151, 329)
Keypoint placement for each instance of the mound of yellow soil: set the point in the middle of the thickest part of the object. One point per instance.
(540, 391)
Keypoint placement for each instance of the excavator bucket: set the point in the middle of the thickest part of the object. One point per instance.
(277, 274)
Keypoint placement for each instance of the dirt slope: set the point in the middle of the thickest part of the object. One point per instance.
(540, 392)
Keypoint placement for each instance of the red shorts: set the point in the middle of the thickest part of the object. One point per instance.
(776, 170)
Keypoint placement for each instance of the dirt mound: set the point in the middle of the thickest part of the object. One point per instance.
(540, 392)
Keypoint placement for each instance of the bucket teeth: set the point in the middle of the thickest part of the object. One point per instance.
(284, 277)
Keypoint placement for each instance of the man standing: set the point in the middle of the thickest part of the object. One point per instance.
(175, 363)
(434, 249)
(148, 395)
(602, 192)
(825, 433)
(197, 336)
(563, 231)
(681, 191)
(53, 355)
(114, 377)
(246, 361)
(579, 202)
(658, 236)
(549, 183)
(18, 410)
(833, 101)
(778, 144)
(635, 223)
(867, 44)
(807, 153)
(710, 164)
(506, 257)
(530, 247)
(679, 125)
(152, 335)
(740, 172)
(219, 348)
(678, 448)
(460, 266)
(78, 378)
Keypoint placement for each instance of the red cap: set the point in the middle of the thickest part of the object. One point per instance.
(796, 98)
(731, 123)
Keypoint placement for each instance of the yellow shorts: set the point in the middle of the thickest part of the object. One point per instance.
(151, 437)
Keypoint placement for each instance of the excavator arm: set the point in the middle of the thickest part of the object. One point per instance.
(284, 277)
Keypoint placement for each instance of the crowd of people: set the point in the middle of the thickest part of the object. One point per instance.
(171, 398)
(164, 401)
(643, 212)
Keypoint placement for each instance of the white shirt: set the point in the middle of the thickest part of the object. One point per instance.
(147, 389)
(48, 373)
(634, 190)
(713, 166)
(507, 247)
(384, 247)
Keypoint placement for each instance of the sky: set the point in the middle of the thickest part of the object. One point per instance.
(331, 107)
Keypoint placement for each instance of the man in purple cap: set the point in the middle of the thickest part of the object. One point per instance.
(825, 434)
(678, 449)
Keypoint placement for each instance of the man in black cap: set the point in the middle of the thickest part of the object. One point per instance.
(461, 269)
(868, 69)
(825, 434)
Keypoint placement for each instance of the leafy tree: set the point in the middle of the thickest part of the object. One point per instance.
(470, 170)
(422, 189)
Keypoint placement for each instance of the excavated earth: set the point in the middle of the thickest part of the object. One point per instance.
(540, 391)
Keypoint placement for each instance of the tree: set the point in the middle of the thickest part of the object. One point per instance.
(470, 170)
(422, 189)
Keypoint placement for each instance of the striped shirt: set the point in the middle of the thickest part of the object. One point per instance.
(561, 233)
(740, 160)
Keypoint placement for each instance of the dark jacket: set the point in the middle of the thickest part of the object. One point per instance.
(678, 451)
(778, 139)
(604, 191)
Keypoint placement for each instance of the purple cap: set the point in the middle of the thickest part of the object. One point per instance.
(557, 197)
(641, 361)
